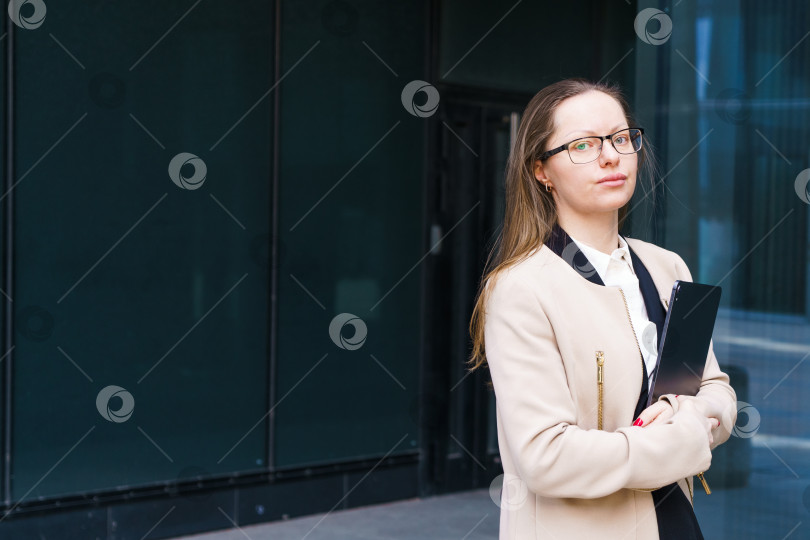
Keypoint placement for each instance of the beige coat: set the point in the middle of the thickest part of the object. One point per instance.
(563, 477)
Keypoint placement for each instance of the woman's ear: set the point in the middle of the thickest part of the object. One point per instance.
(539, 172)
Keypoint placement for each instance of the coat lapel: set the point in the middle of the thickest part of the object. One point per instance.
(561, 244)
(655, 311)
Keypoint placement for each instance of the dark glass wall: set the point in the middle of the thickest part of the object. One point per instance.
(523, 46)
(5, 204)
(143, 198)
(123, 277)
(349, 231)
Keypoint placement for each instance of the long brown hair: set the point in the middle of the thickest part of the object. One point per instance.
(530, 210)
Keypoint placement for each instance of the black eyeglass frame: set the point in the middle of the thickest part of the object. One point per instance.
(545, 155)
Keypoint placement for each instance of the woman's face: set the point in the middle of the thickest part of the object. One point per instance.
(576, 187)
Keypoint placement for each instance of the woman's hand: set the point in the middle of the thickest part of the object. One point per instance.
(708, 422)
(657, 413)
(661, 411)
(712, 408)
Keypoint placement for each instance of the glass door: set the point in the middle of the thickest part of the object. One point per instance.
(468, 204)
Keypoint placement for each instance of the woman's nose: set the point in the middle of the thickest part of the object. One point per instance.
(608, 154)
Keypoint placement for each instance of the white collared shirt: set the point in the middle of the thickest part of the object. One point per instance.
(616, 270)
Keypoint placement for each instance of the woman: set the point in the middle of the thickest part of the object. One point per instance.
(568, 318)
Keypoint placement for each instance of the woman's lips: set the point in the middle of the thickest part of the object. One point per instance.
(613, 180)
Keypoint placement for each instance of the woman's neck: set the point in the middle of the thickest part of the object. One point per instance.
(598, 231)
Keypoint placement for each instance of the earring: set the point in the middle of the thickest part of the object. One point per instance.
(548, 188)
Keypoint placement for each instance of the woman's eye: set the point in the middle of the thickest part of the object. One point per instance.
(620, 140)
(580, 146)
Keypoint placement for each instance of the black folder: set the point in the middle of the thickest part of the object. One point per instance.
(685, 339)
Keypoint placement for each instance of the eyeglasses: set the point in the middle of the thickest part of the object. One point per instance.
(587, 149)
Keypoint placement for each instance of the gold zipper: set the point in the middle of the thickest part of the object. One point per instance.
(643, 366)
(705, 484)
(691, 495)
(627, 309)
(600, 380)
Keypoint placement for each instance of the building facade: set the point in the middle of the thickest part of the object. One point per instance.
(241, 245)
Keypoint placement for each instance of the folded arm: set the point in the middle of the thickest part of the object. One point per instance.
(716, 398)
(554, 456)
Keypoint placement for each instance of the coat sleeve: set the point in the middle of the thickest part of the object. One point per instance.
(538, 418)
(716, 397)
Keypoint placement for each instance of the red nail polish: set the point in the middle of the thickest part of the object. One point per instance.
(638, 422)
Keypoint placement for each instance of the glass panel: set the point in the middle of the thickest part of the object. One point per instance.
(501, 139)
(522, 46)
(733, 104)
(124, 278)
(4, 345)
(350, 231)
